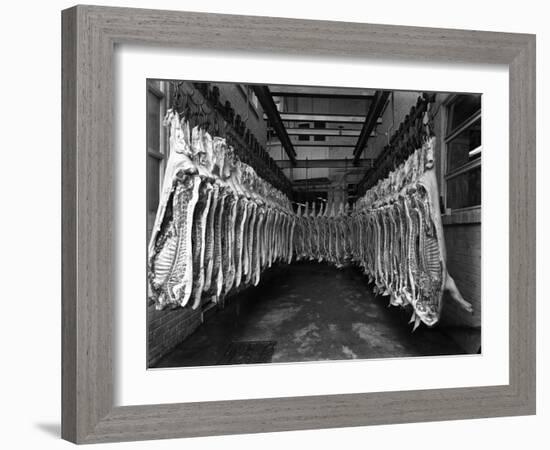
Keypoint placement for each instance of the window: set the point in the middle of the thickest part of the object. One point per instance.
(319, 126)
(156, 153)
(303, 137)
(463, 152)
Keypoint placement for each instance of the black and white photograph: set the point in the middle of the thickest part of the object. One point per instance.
(305, 223)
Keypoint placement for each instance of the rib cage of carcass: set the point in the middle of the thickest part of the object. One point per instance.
(398, 238)
(218, 224)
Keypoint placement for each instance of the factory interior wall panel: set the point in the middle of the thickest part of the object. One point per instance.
(311, 153)
(303, 174)
(255, 121)
(277, 152)
(341, 153)
(349, 106)
(310, 105)
(397, 108)
(320, 104)
(438, 111)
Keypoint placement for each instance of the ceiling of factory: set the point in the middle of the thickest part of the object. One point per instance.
(319, 135)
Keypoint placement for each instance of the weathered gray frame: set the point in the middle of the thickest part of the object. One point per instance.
(89, 36)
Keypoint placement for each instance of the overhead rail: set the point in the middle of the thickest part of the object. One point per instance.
(272, 113)
(376, 107)
(200, 103)
(416, 126)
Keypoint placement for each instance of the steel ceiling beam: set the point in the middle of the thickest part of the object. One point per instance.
(321, 92)
(329, 141)
(266, 100)
(376, 107)
(322, 132)
(324, 163)
(320, 144)
(305, 181)
(302, 184)
(311, 186)
(339, 118)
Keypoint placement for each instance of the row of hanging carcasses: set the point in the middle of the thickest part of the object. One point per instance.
(324, 233)
(218, 224)
(393, 233)
(399, 237)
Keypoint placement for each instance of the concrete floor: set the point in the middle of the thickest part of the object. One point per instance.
(310, 312)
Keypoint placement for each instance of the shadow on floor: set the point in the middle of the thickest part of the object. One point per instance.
(308, 312)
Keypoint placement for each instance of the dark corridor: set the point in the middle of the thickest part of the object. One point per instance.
(308, 312)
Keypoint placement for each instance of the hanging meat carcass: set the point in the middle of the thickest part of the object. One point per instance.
(170, 260)
(217, 225)
(298, 240)
(394, 234)
(202, 146)
(405, 247)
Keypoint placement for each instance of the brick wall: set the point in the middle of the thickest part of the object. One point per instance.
(464, 264)
(168, 328)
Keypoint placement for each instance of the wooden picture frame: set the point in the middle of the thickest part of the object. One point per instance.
(89, 37)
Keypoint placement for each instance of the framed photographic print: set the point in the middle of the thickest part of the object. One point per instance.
(265, 229)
